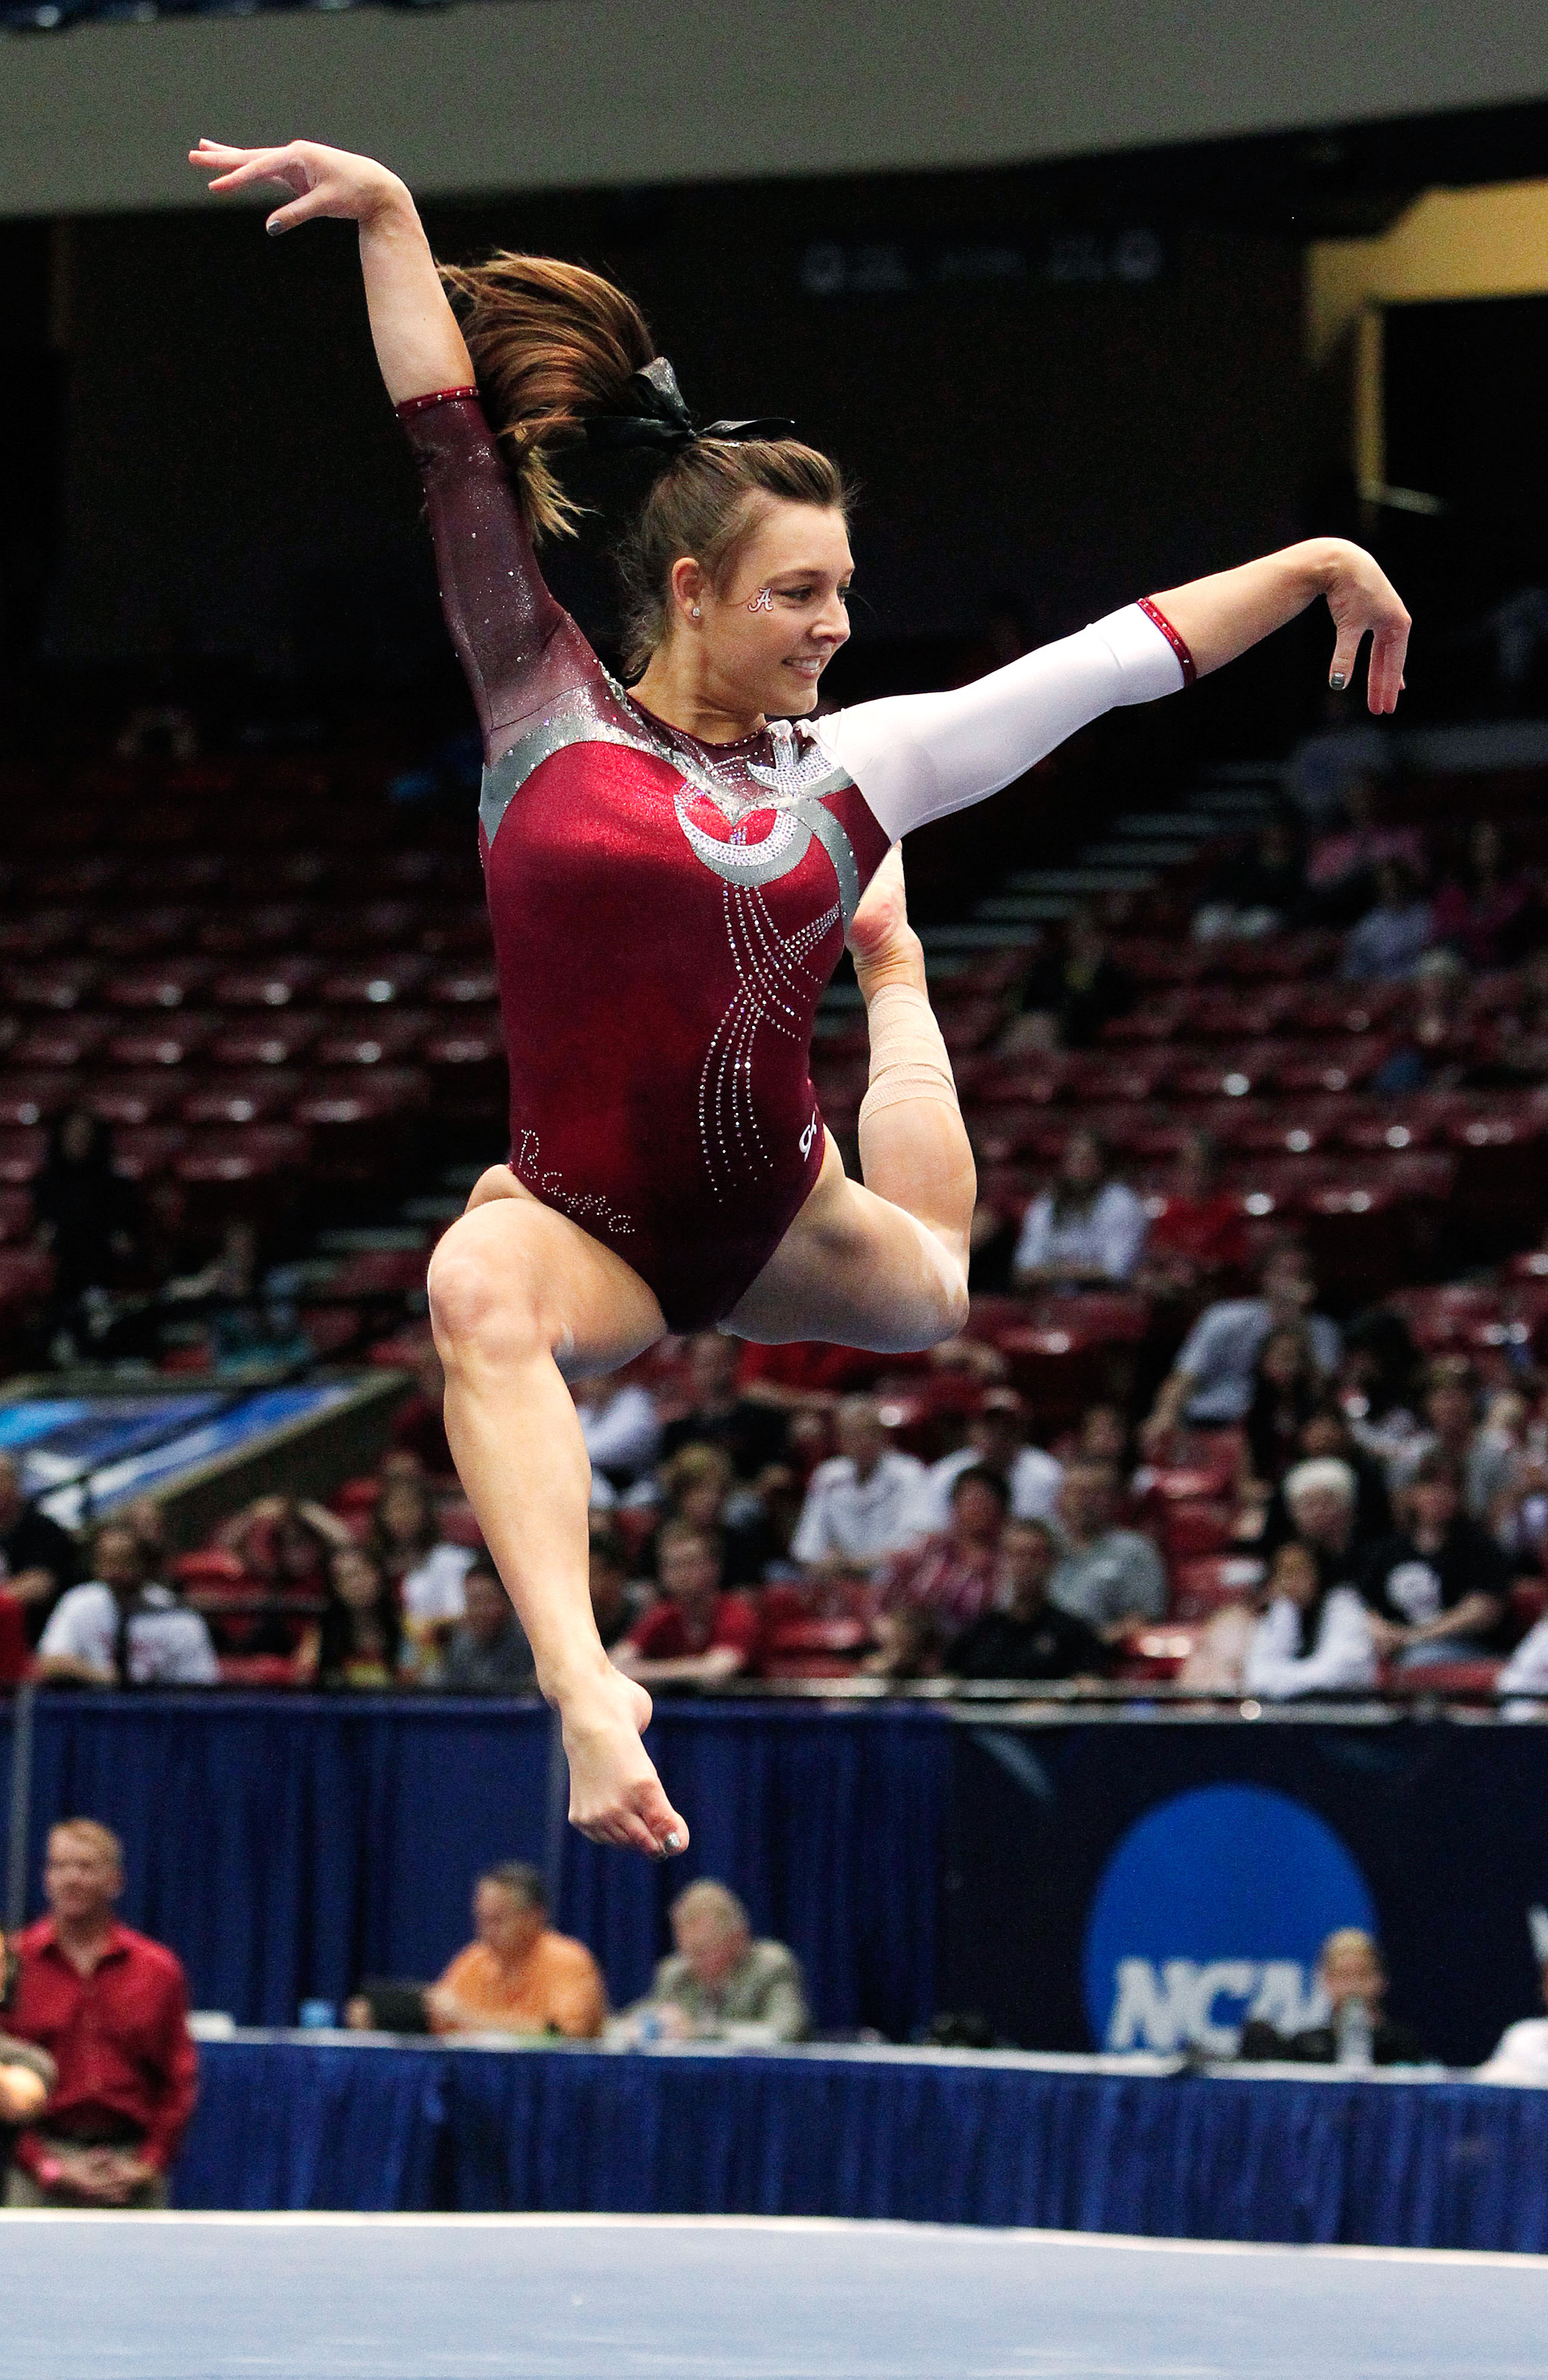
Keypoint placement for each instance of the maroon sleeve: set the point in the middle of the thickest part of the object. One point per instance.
(175, 2084)
(739, 1624)
(518, 649)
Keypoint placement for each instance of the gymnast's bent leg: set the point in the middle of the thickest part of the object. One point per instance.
(517, 1291)
(882, 1264)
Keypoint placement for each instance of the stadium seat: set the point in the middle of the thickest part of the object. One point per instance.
(142, 1152)
(1204, 1525)
(123, 934)
(370, 925)
(35, 1095)
(1208, 1583)
(61, 1041)
(1465, 1679)
(233, 1099)
(53, 984)
(383, 979)
(128, 1097)
(278, 1039)
(266, 926)
(173, 1041)
(379, 1038)
(22, 1151)
(278, 982)
(469, 985)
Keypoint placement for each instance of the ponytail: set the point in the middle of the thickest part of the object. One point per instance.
(553, 345)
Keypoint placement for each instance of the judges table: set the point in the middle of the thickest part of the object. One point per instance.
(310, 2120)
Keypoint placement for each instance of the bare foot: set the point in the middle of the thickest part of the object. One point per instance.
(615, 1794)
(883, 944)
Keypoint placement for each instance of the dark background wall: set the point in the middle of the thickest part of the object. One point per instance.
(1071, 414)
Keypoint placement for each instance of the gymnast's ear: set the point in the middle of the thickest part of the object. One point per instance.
(690, 591)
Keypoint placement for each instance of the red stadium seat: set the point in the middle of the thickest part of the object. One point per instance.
(1329, 1065)
(380, 1038)
(1289, 957)
(377, 982)
(1115, 1074)
(56, 984)
(266, 926)
(471, 986)
(140, 933)
(1443, 1319)
(274, 1039)
(41, 932)
(1209, 1583)
(171, 1041)
(370, 925)
(1466, 1679)
(1203, 1526)
(16, 1215)
(133, 1099)
(62, 1041)
(279, 982)
(237, 1099)
(144, 1151)
(35, 1097)
(1232, 1073)
(25, 1274)
(22, 1151)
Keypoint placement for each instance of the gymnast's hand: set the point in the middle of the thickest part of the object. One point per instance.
(1364, 602)
(325, 181)
(615, 1794)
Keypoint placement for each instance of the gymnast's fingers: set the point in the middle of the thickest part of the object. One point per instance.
(299, 211)
(1388, 652)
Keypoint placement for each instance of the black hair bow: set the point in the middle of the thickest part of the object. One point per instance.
(652, 414)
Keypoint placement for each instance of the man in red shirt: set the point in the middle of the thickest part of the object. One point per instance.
(696, 1635)
(111, 2008)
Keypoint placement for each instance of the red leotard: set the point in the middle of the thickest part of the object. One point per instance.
(667, 915)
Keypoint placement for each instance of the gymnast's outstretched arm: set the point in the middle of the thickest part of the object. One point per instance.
(918, 756)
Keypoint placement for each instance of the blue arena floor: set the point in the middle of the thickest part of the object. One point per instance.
(191, 2297)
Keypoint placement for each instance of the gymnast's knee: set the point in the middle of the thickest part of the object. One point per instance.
(488, 1296)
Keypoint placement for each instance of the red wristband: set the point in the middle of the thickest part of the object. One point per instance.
(1158, 619)
(413, 404)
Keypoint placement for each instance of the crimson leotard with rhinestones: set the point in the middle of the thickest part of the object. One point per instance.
(666, 914)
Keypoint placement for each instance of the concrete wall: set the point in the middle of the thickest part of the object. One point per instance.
(568, 93)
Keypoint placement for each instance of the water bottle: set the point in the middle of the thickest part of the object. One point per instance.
(318, 2016)
(1355, 2035)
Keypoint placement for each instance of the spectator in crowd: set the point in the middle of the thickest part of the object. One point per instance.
(1521, 2053)
(1111, 1578)
(1480, 911)
(38, 1559)
(1439, 1588)
(1085, 1232)
(859, 1507)
(1358, 2032)
(1343, 863)
(697, 1634)
(487, 1651)
(1524, 1678)
(425, 1570)
(1211, 1382)
(1106, 1435)
(719, 1984)
(1393, 936)
(1311, 1639)
(111, 2010)
(752, 1432)
(1261, 892)
(1450, 1423)
(88, 1218)
(1287, 1388)
(122, 1628)
(1327, 1433)
(1198, 1242)
(996, 1441)
(144, 1516)
(621, 1427)
(701, 1487)
(612, 1608)
(1025, 1635)
(286, 1542)
(358, 1643)
(519, 1975)
(1431, 1043)
(419, 1423)
(958, 1574)
(1074, 988)
(1322, 1496)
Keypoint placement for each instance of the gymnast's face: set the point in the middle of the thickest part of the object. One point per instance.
(763, 638)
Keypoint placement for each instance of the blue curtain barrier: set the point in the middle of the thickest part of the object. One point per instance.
(290, 2124)
(288, 1847)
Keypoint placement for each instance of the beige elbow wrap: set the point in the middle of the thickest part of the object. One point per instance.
(908, 1056)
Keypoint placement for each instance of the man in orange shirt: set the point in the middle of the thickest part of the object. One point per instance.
(519, 1976)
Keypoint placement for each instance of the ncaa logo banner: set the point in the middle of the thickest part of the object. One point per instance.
(1212, 1911)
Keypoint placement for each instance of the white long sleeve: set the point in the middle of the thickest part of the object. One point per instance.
(1343, 1655)
(917, 756)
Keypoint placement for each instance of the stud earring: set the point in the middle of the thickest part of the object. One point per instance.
(695, 611)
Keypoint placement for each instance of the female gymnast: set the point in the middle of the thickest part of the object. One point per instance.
(672, 871)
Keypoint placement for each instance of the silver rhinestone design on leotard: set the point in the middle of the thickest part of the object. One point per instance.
(774, 988)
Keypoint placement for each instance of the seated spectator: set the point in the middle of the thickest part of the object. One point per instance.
(110, 2008)
(1481, 910)
(1262, 891)
(721, 1984)
(1327, 1433)
(701, 1487)
(996, 1441)
(1198, 1241)
(1393, 936)
(1522, 1684)
(697, 1634)
(286, 1543)
(1287, 1388)
(1342, 866)
(1074, 988)
(1322, 1496)
(1438, 1588)
(1451, 1424)
(1521, 2053)
(1110, 1578)
(419, 1423)
(486, 1652)
(1026, 1635)
(613, 1606)
(1106, 1435)
(425, 1572)
(519, 1975)
(122, 1628)
(752, 1432)
(860, 1503)
(38, 1559)
(621, 1427)
(905, 1643)
(87, 1215)
(958, 1574)
(1358, 2033)
(1211, 1382)
(1087, 1231)
(358, 1643)
(1311, 1639)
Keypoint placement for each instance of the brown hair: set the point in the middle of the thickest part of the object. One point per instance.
(551, 343)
